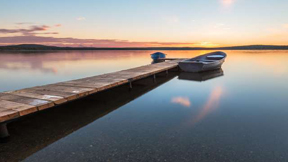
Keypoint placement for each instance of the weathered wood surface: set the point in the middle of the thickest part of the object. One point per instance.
(14, 104)
(172, 58)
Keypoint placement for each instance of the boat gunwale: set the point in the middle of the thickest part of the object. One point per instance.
(201, 59)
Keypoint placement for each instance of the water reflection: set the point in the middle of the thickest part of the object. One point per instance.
(56, 66)
(184, 101)
(35, 69)
(55, 60)
(210, 105)
(37, 131)
(157, 61)
(202, 76)
(252, 97)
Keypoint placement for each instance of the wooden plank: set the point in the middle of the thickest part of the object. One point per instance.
(6, 114)
(97, 82)
(65, 95)
(96, 86)
(112, 78)
(70, 89)
(53, 98)
(135, 75)
(22, 109)
(40, 104)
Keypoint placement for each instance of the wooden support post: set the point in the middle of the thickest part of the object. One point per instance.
(154, 77)
(166, 72)
(3, 130)
(130, 85)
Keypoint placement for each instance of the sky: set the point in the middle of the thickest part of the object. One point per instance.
(144, 23)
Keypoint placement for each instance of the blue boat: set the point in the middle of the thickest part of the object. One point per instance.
(157, 55)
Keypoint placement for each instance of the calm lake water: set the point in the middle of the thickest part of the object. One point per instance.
(241, 115)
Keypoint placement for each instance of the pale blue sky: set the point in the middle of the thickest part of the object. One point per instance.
(221, 22)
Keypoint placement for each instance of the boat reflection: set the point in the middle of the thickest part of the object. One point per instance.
(157, 61)
(200, 77)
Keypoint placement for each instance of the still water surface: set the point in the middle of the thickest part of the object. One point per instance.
(240, 116)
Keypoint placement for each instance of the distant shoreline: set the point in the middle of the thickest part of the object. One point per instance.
(35, 47)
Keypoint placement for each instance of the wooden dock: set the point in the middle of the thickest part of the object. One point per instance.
(19, 103)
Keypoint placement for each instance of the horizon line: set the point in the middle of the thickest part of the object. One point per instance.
(234, 46)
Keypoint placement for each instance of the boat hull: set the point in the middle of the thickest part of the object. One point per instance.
(193, 66)
(158, 55)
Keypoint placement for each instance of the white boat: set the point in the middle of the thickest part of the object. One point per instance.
(206, 62)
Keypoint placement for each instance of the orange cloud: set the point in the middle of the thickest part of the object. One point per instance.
(184, 101)
(206, 44)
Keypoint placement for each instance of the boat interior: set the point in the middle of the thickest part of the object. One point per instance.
(212, 57)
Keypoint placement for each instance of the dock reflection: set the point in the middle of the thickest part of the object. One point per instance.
(200, 77)
(34, 132)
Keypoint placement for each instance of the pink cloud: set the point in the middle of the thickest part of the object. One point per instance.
(24, 23)
(24, 31)
(75, 42)
(227, 3)
(48, 33)
(30, 35)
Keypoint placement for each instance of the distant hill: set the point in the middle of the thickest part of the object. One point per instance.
(43, 47)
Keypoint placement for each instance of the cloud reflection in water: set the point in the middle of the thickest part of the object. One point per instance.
(211, 104)
(184, 101)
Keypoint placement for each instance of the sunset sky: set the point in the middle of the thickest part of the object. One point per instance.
(144, 23)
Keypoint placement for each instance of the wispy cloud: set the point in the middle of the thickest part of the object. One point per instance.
(47, 33)
(31, 35)
(24, 23)
(25, 31)
(184, 101)
(80, 18)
